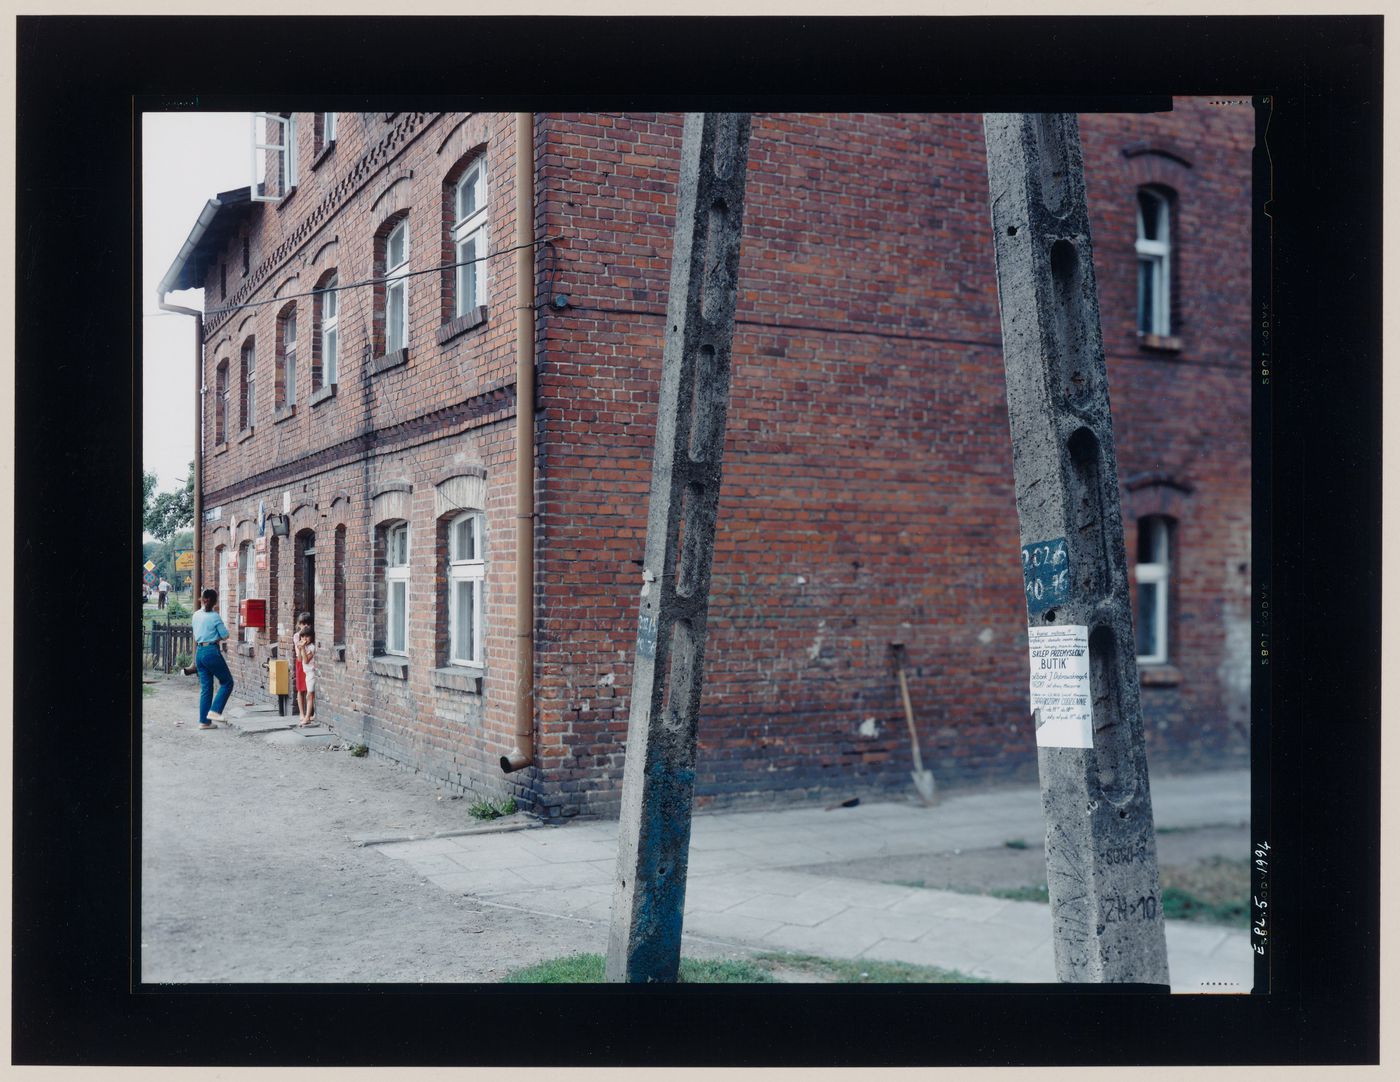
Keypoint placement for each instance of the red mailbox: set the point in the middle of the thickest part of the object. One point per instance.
(252, 612)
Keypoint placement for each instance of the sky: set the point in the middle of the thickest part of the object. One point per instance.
(186, 159)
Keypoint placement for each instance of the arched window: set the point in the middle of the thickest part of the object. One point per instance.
(1154, 262)
(1153, 574)
(325, 354)
(286, 377)
(395, 287)
(394, 555)
(469, 238)
(338, 602)
(221, 402)
(247, 386)
(466, 573)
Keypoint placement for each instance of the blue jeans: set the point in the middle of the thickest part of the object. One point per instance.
(211, 663)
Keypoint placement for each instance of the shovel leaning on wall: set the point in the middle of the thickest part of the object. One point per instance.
(923, 780)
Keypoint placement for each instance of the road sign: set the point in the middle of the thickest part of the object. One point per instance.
(149, 566)
(149, 578)
(184, 561)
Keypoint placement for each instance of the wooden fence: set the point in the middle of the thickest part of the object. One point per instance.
(168, 642)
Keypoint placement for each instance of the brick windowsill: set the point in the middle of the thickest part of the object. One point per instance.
(460, 677)
(1159, 343)
(245, 649)
(246, 434)
(323, 155)
(463, 323)
(338, 651)
(1159, 676)
(389, 665)
(286, 413)
(322, 394)
(220, 448)
(389, 360)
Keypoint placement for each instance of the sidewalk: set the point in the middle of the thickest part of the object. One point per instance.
(747, 886)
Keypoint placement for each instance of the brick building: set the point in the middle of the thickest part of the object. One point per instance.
(361, 331)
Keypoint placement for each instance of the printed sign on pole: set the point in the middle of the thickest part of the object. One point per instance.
(1060, 686)
(149, 566)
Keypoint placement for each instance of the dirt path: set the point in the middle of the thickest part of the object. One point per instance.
(248, 874)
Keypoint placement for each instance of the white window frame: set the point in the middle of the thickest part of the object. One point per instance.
(225, 598)
(330, 332)
(248, 566)
(1155, 255)
(396, 290)
(248, 389)
(469, 568)
(1155, 575)
(327, 129)
(289, 359)
(285, 149)
(470, 229)
(396, 572)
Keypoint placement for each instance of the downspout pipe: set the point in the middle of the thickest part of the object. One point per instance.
(523, 754)
(198, 578)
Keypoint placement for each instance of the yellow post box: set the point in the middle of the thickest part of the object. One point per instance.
(278, 680)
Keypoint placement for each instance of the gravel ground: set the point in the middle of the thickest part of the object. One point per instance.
(248, 873)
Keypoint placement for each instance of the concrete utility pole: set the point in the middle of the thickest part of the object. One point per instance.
(659, 779)
(1100, 847)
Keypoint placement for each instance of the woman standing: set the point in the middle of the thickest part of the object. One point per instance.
(209, 631)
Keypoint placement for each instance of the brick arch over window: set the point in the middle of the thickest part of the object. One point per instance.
(463, 491)
(393, 500)
(1162, 164)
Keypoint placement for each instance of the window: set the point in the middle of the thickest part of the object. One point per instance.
(469, 238)
(396, 288)
(223, 281)
(221, 559)
(396, 589)
(1153, 573)
(1154, 262)
(247, 387)
(221, 403)
(304, 573)
(466, 569)
(325, 358)
(278, 151)
(246, 254)
(247, 581)
(287, 357)
(328, 127)
(338, 601)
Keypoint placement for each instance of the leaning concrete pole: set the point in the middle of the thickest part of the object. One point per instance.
(659, 778)
(1100, 849)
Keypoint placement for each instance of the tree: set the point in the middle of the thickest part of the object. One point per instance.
(169, 511)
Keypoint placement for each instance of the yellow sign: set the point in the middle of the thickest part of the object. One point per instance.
(149, 566)
(184, 561)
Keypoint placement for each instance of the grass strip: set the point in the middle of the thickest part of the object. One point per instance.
(588, 969)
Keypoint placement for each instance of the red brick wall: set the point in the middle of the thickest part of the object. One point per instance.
(867, 493)
(447, 410)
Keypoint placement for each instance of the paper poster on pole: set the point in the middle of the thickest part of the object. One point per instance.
(1060, 686)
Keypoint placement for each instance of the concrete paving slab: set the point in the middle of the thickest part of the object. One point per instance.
(301, 738)
(257, 724)
(717, 861)
(730, 926)
(711, 897)
(497, 881)
(835, 938)
(799, 909)
(950, 904)
(487, 858)
(427, 847)
(555, 876)
(857, 892)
